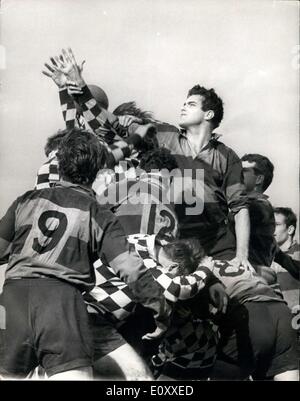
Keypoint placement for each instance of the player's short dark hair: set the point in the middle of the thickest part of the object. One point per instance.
(80, 156)
(158, 159)
(130, 108)
(53, 141)
(263, 166)
(211, 101)
(289, 216)
(188, 253)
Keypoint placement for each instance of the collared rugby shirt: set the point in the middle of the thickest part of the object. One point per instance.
(60, 232)
(142, 207)
(243, 284)
(222, 188)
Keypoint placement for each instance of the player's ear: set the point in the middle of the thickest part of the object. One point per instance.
(291, 230)
(209, 115)
(259, 179)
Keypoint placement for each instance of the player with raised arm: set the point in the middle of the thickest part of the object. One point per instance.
(197, 148)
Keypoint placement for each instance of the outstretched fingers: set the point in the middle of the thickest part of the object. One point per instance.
(50, 68)
(66, 56)
(71, 56)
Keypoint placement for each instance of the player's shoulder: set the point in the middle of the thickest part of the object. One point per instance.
(294, 249)
(166, 133)
(102, 213)
(224, 149)
(28, 195)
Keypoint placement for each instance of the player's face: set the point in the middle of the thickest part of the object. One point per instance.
(191, 112)
(249, 175)
(281, 230)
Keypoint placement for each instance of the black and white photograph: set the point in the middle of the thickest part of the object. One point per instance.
(149, 207)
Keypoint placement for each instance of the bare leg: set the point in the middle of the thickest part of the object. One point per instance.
(165, 378)
(289, 375)
(124, 363)
(74, 374)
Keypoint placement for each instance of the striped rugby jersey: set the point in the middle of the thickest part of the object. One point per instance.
(60, 232)
(242, 284)
(142, 206)
(222, 188)
(137, 217)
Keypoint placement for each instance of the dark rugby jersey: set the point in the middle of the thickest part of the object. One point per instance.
(242, 284)
(142, 207)
(223, 183)
(222, 189)
(59, 232)
(287, 267)
(262, 245)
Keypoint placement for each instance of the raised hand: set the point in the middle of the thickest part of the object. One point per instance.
(67, 64)
(73, 89)
(56, 75)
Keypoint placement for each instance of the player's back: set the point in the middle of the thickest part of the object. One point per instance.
(55, 231)
(243, 284)
(142, 206)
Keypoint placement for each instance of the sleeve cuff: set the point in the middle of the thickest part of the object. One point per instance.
(85, 96)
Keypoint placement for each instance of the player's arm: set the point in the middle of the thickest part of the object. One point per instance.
(237, 200)
(68, 108)
(106, 125)
(114, 250)
(166, 134)
(100, 120)
(7, 232)
(47, 174)
(185, 286)
(66, 101)
(103, 123)
(288, 263)
(242, 232)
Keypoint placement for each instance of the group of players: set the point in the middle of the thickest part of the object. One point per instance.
(123, 264)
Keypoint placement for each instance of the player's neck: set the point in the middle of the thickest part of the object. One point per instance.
(199, 136)
(66, 181)
(286, 245)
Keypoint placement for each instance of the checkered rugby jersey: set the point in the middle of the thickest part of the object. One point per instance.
(136, 215)
(188, 342)
(112, 296)
(117, 147)
(60, 232)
